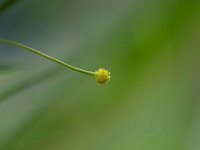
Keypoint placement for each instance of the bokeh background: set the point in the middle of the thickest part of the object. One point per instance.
(151, 48)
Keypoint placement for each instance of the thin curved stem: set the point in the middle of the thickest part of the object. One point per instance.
(9, 42)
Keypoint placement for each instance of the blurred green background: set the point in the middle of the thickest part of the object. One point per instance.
(151, 48)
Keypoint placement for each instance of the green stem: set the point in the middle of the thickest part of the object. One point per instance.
(9, 42)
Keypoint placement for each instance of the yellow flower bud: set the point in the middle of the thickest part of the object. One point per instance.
(102, 76)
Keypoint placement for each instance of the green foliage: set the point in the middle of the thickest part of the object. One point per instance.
(150, 47)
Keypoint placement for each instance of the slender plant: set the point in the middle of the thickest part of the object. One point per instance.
(102, 75)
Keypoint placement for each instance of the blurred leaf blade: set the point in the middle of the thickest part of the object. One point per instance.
(151, 48)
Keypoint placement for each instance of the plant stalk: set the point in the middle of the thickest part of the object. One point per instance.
(13, 43)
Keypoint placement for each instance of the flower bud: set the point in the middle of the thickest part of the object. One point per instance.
(102, 76)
